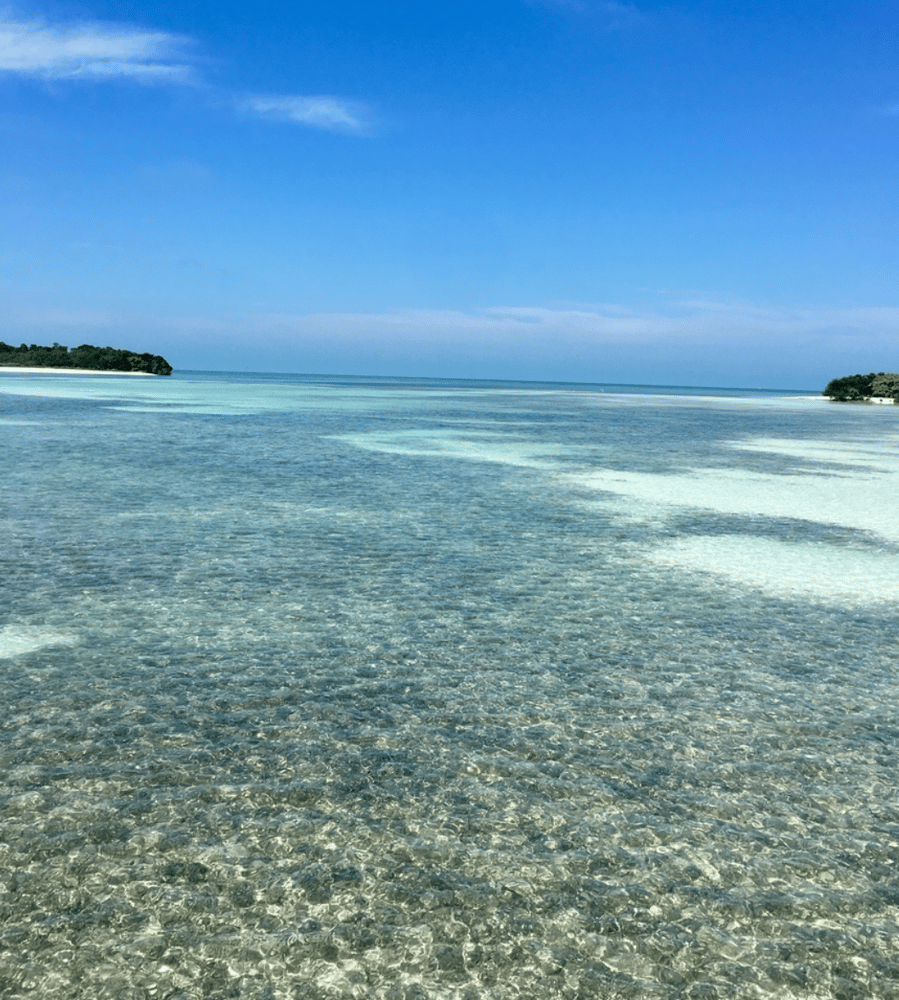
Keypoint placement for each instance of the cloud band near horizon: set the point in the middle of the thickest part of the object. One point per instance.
(692, 343)
(688, 320)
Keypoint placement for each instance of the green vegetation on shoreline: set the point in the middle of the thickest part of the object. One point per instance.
(106, 359)
(855, 388)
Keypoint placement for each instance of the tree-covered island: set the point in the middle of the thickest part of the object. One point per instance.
(857, 388)
(104, 359)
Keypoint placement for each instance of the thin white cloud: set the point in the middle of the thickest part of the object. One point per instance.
(891, 110)
(106, 52)
(621, 15)
(611, 12)
(687, 322)
(92, 52)
(576, 5)
(323, 111)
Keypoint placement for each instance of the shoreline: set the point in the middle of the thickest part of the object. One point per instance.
(72, 371)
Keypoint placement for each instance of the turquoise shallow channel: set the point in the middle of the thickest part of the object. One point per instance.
(319, 688)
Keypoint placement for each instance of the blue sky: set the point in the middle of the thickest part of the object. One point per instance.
(683, 193)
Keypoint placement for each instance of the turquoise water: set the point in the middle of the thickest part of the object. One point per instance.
(322, 687)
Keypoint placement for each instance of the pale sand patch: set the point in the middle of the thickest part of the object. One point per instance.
(854, 487)
(72, 371)
(481, 446)
(879, 453)
(826, 573)
(15, 640)
(863, 497)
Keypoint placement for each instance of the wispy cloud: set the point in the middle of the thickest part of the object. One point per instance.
(685, 322)
(579, 6)
(620, 15)
(890, 110)
(334, 114)
(611, 13)
(98, 51)
(92, 51)
(694, 321)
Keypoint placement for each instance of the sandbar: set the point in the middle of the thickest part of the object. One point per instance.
(71, 371)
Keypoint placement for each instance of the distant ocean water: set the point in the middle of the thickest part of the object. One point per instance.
(330, 687)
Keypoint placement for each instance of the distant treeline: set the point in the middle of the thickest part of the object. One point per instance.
(107, 359)
(851, 387)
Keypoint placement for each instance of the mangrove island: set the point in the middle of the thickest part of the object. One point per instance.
(877, 387)
(105, 359)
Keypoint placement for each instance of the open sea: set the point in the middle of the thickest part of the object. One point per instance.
(320, 687)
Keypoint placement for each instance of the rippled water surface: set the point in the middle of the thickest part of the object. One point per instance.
(321, 688)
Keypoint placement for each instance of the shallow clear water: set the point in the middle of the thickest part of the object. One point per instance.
(323, 688)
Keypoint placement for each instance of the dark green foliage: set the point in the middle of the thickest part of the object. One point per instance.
(857, 387)
(86, 356)
(849, 387)
(886, 384)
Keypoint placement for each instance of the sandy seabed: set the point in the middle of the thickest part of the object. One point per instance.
(342, 692)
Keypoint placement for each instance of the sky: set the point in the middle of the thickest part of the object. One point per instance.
(684, 193)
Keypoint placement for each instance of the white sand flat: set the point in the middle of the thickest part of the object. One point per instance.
(15, 640)
(71, 371)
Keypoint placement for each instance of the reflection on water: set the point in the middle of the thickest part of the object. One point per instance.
(394, 695)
